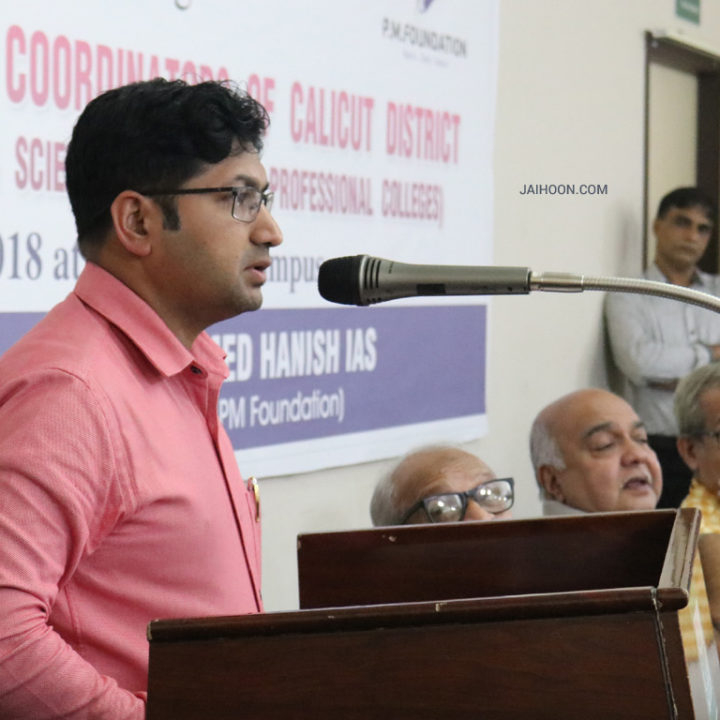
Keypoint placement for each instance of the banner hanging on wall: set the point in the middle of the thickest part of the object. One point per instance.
(381, 142)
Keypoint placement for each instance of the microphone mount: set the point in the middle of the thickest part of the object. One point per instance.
(566, 282)
(367, 280)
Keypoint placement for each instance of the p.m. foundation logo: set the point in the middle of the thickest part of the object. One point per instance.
(414, 36)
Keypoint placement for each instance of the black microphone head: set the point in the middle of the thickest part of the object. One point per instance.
(339, 280)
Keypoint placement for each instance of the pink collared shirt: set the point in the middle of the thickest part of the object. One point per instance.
(120, 502)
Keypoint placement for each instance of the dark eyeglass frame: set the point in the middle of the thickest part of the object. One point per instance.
(263, 196)
(465, 497)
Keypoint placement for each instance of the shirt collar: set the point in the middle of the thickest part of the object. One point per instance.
(555, 507)
(700, 492)
(654, 273)
(122, 307)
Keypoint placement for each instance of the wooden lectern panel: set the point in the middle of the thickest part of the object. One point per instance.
(451, 662)
(516, 557)
(560, 618)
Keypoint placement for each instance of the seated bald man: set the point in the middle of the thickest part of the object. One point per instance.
(590, 453)
(440, 484)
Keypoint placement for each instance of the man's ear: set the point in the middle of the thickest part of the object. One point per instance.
(655, 225)
(135, 219)
(548, 478)
(687, 447)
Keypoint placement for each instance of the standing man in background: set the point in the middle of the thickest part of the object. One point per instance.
(656, 341)
(120, 497)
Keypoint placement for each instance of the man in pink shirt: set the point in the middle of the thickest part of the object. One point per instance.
(120, 497)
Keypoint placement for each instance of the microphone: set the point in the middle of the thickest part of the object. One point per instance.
(366, 280)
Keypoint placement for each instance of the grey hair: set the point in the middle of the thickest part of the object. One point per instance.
(383, 510)
(544, 449)
(689, 414)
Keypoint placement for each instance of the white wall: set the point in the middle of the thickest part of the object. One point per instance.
(570, 110)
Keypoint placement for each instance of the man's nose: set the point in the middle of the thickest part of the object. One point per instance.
(265, 229)
(477, 512)
(635, 452)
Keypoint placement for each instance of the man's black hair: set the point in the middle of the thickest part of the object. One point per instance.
(152, 134)
(687, 197)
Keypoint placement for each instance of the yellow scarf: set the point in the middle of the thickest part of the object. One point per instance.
(695, 621)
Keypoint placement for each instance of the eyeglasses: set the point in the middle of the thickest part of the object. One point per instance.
(247, 200)
(495, 496)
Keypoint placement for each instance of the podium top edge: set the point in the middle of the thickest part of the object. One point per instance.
(425, 613)
(609, 519)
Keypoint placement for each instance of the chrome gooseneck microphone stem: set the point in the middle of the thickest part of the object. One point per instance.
(366, 280)
(566, 282)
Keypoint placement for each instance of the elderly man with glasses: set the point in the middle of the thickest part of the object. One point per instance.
(697, 409)
(440, 484)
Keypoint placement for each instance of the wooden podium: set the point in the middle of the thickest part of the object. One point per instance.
(568, 617)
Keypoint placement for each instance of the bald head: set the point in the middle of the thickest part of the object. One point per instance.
(589, 451)
(426, 472)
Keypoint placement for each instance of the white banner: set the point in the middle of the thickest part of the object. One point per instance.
(381, 142)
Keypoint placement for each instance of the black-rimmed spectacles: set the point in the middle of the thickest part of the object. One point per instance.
(495, 496)
(247, 200)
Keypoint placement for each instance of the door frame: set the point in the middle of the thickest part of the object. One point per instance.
(679, 54)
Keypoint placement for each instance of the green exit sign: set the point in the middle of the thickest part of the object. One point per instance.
(688, 10)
